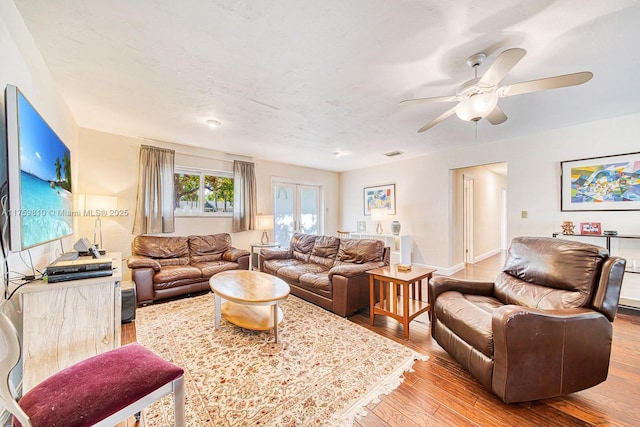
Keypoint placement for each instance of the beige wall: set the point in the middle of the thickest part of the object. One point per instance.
(23, 66)
(424, 186)
(109, 166)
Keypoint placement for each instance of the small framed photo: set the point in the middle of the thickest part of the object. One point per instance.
(362, 226)
(590, 228)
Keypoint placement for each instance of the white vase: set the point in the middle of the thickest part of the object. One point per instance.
(395, 227)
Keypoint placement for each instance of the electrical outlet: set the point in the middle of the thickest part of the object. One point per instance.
(524, 214)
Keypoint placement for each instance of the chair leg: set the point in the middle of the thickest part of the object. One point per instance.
(178, 402)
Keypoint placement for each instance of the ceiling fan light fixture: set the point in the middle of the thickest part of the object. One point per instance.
(477, 106)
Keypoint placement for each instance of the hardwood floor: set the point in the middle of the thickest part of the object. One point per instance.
(440, 393)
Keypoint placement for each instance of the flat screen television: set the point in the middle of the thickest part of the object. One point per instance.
(39, 176)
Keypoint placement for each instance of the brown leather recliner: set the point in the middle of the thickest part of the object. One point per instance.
(542, 329)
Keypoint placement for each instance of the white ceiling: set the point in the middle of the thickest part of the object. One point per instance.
(295, 81)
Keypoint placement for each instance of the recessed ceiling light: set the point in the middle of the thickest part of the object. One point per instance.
(213, 123)
(393, 153)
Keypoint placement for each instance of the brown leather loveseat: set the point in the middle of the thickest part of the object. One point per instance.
(326, 270)
(542, 329)
(165, 267)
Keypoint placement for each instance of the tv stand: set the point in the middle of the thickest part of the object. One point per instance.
(66, 322)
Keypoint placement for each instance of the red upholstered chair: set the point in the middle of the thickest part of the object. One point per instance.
(102, 390)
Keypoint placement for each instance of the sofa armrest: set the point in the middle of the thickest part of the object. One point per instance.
(232, 254)
(137, 261)
(143, 280)
(275, 253)
(441, 284)
(544, 353)
(352, 270)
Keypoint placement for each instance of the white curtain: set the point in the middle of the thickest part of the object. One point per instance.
(155, 199)
(244, 196)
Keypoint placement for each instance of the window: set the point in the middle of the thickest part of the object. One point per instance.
(203, 193)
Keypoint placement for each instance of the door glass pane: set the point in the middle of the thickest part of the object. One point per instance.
(284, 213)
(309, 210)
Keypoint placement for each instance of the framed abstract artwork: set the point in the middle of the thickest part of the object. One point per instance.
(610, 183)
(380, 197)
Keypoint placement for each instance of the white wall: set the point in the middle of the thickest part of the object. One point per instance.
(23, 66)
(109, 166)
(424, 186)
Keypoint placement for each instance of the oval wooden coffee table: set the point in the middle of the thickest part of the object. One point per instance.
(252, 299)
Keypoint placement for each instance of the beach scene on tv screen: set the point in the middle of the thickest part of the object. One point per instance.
(45, 180)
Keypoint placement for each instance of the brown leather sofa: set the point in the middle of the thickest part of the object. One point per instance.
(164, 267)
(326, 270)
(542, 329)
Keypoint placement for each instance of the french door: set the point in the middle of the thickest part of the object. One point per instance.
(296, 210)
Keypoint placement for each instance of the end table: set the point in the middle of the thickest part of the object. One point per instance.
(404, 308)
(253, 246)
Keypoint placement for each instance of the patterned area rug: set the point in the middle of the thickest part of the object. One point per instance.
(323, 371)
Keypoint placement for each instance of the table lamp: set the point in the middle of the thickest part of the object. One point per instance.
(264, 223)
(99, 206)
(378, 215)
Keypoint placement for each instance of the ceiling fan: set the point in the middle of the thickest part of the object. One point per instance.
(478, 98)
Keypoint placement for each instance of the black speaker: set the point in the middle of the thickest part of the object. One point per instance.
(128, 302)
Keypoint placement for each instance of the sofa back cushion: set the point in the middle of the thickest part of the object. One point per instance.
(325, 250)
(209, 248)
(301, 246)
(360, 251)
(550, 273)
(166, 250)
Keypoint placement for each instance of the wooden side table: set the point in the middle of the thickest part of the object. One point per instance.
(398, 295)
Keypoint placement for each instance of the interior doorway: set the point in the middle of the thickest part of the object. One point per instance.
(479, 212)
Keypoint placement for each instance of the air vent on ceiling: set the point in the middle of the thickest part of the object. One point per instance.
(393, 153)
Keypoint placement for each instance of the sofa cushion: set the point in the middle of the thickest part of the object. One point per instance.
(317, 282)
(293, 272)
(209, 248)
(571, 268)
(469, 317)
(325, 250)
(301, 246)
(161, 247)
(360, 251)
(166, 262)
(210, 268)
(172, 273)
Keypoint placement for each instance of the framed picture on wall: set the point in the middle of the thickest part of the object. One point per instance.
(608, 183)
(380, 197)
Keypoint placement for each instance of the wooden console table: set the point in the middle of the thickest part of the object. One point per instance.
(66, 322)
(399, 297)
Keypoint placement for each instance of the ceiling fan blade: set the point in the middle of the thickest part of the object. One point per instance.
(450, 98)
(501, 66)
(497, 116)
(545, 84)
(438, 119)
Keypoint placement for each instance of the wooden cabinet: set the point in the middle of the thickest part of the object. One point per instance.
(400, 245)
(64, 323)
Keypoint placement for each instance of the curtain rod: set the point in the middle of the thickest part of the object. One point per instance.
(174, 144)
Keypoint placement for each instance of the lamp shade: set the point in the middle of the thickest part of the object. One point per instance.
(477, 106)
(264, 222)
(378, 214)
